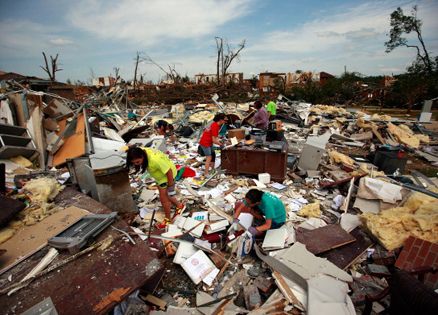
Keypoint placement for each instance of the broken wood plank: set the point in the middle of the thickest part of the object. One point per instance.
(343, 257)
(155, 301)
(286, 290)
(323, 239)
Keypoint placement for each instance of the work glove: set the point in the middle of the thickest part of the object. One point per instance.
(171, 190)
(252, 230)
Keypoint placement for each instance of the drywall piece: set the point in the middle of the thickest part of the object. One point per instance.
(203, 298)
(349, 222)
(275, 239)
(312, 223)
(148, 195)
(198, 266)
(30, 239)
(323, 239)
(246, 219)
(367, 205)
(327, 295)
(371, 188)
(307, 265)
(190, 223)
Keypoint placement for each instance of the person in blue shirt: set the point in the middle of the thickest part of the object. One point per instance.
(262, 205)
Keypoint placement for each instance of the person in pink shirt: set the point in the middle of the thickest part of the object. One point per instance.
(261, 118)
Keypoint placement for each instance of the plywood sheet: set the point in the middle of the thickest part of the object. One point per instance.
(74, 145)
(30, 239)
(345, 256)
(324, 239)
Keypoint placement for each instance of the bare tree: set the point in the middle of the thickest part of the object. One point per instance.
(220, 50)
(226, 58)
(53, 68)
(116, 73)
(170, 74)
(138, 58)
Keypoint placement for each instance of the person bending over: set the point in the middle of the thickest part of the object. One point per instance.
(162, 169)
(262, 205)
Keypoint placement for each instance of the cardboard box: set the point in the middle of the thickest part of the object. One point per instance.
(238, 133)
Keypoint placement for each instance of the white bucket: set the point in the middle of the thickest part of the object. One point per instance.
(265, 178)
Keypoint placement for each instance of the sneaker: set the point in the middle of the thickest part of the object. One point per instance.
(179, 210)
(162, 225)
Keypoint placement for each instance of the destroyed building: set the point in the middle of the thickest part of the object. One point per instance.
(79, 230)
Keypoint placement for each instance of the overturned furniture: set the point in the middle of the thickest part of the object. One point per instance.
(15, 140)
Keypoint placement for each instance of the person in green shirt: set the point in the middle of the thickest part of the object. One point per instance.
(162, 169)
(271, 108)
(262, 205)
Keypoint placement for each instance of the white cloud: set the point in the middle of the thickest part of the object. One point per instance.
(356, 35)
(148, 22)
(24, 38)
(60, 41)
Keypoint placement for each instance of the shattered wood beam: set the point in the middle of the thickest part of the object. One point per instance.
(344, 206)
(286, 290)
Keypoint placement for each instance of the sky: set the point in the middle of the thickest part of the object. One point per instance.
(94, 36)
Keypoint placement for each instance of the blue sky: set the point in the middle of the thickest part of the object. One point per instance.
(283, 35)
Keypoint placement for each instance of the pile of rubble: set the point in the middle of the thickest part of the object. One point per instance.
(353, 198)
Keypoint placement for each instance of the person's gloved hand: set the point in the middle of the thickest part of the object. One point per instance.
(171, 190)
(252, 230)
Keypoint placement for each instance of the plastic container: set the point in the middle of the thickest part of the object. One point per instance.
(264, 178)
(389, 161)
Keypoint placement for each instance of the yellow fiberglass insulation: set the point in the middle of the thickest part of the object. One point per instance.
(341, 158)
(418, 217)
(381, 117)
(311, 210)
(328, 109)
(43, 189)
(403, 136)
